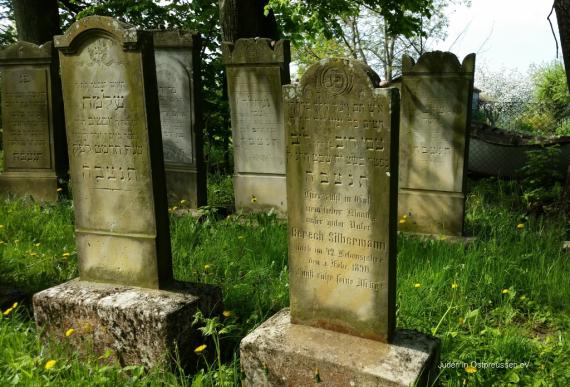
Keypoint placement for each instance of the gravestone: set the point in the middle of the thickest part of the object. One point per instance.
(256, 69)
(177, 55)
(434, 134)
(35, 152)
(342, 170)
(125, 299)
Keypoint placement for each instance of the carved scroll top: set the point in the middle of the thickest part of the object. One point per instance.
(438, 62)
(339, 76)
(125, 33)
(175, 38)
(256, 51)
(25, 50)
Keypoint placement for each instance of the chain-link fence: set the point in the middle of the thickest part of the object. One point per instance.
(523, 116)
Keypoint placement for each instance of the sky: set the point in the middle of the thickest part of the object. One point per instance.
(511, 34)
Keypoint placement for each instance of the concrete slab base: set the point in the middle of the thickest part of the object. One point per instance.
(279, 353)
(445, 238)
(137, 326)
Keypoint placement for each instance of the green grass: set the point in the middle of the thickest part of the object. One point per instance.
(510, 303)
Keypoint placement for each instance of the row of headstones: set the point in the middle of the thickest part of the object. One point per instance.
(433, 143)
(342, 134)
(436, 96)
(35, 150)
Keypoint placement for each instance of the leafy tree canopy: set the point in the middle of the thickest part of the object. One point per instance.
(303, 19)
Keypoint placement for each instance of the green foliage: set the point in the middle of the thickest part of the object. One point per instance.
(220, 191)
(549, 112)
(509, 302)
(301, 20)
(552, 90)
(540, 176)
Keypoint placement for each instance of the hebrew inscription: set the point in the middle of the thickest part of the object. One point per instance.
(257, 119)
(175, 108)
(107, 141)
(25, 115)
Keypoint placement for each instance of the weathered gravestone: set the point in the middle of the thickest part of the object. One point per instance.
(121, 218)
(342, 170)
(256, 69)
(35, 152)
(177, 55)
(434, 134)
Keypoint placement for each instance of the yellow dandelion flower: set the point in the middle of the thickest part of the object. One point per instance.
(66, 254)
(50, 364)
(470, 369)
(8, 311)
(417, 285)
(253, 199)
(59, 189)
(454, 285)
(405, 217)
(402, 221)
(520, 226)
(206, 267)
(504, 291)
(69, 332)
(200, 348)
(183, 201)
(227, 313)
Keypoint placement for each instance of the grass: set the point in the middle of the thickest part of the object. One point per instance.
(505, 298)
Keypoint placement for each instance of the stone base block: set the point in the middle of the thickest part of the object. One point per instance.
(184, 184)
(464, 240)
(431, 212)
(41, 187)
(138, 326)
(260, 193)
(279, 353)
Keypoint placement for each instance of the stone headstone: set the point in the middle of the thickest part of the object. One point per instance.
(434, 134)
(256, 70)
(35, 152)
(177, 55)
(115, 153)
(342, 171)
(126, 299)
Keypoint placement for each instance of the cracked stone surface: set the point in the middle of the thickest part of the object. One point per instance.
(140, 326)
(279, 353)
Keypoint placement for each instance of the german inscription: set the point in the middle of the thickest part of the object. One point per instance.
(340, 138)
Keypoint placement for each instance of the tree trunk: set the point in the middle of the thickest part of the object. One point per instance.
(246, 19)
(562, 8)
(37, 21)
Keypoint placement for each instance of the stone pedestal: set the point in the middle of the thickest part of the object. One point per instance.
(41, 186)
(140, 326)
(260, 193)
(279, 353)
